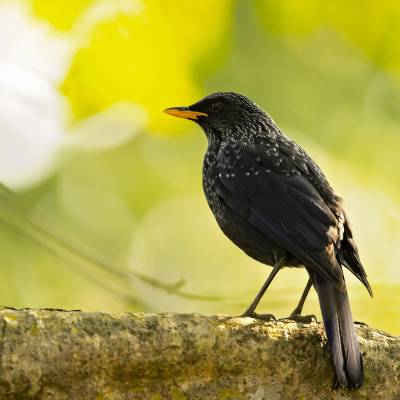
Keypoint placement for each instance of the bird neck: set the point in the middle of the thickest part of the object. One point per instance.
(249, 131)
(214, 137)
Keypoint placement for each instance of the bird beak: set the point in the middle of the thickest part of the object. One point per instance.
(184, 112)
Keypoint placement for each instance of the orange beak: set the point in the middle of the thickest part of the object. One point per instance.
(184, 112)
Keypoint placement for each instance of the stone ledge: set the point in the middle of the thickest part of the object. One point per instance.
(55, 354)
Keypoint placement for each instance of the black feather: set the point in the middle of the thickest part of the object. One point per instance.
(339, 327)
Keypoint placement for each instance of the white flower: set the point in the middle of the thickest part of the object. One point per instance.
(33, 61)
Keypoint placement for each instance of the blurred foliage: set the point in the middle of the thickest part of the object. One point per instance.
(327, 73)
(369, 25)
(138, 51)
(61, 14)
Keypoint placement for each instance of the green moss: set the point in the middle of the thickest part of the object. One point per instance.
(229, 394)
(176, 394)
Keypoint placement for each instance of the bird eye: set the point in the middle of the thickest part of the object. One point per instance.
(215, 107)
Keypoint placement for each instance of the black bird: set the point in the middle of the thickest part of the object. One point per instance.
(272, 200)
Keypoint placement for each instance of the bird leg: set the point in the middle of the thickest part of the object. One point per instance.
(296, 314)
(250, 312)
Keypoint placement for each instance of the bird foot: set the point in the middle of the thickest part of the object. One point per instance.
(306, 319)
(264, 317)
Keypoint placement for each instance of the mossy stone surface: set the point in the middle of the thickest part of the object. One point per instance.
(55, 354)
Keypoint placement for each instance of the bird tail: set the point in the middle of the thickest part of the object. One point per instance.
(339, 327)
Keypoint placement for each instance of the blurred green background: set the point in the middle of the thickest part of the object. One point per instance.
(84, 143)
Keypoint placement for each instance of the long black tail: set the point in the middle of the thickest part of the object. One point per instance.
(339, 327)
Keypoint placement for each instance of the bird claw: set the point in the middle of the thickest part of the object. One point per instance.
(306, 319)
(264, 317)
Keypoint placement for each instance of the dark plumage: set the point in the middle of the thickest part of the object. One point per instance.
(271, 199)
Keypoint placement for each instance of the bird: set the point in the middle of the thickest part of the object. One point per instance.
(273, 201)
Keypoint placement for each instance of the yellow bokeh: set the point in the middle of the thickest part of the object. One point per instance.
(146, 55)
(61, 14)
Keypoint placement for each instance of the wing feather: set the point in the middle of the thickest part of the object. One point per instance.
(285, 208)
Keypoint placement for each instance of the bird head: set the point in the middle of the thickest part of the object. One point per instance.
(224, 114)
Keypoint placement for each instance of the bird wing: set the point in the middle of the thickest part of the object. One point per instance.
(281, 204)
(349, 257)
